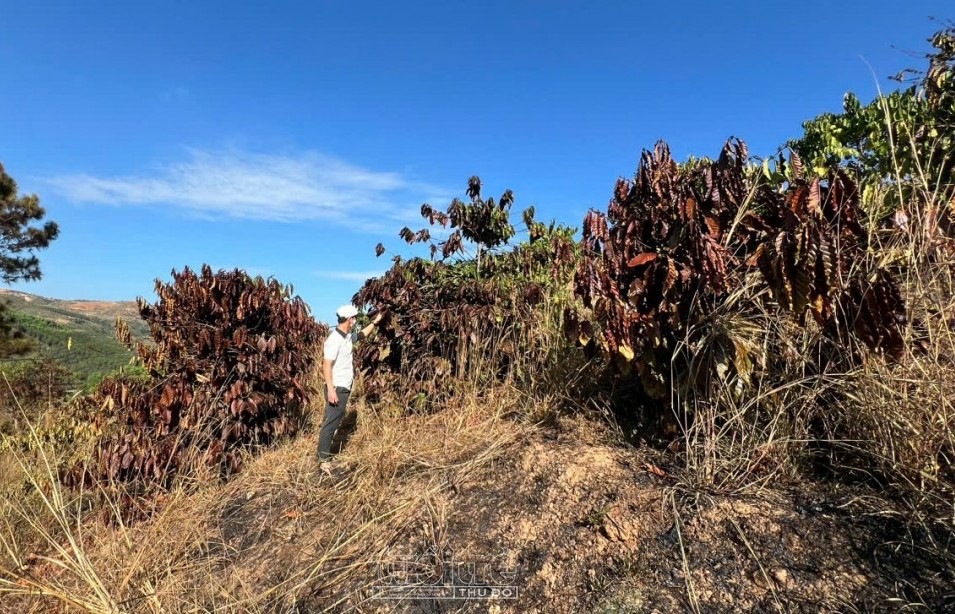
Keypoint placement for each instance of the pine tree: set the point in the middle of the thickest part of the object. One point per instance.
(18, 242)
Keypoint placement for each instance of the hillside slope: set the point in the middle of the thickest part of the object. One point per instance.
(78, 334)
(563, 517)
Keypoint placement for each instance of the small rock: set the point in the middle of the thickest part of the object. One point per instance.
(782, 577)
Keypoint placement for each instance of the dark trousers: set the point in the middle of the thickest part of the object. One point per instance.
(333, 417)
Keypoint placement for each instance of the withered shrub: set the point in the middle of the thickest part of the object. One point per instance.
(228, 371)
(680, 240)
(481, 310)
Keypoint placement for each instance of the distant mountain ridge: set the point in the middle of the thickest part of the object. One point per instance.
(101, 310)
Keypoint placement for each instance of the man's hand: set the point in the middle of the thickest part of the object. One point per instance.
(374, 322)
(332, 396)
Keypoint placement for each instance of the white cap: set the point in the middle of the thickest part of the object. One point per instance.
(346, 311)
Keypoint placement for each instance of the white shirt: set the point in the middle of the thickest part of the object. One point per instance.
(338, 348)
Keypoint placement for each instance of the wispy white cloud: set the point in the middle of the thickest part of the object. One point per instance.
(349, 275)
(285, 188)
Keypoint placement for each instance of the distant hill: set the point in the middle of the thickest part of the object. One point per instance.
(79, 334)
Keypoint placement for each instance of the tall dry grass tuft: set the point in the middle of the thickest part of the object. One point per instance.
(740, 429)
(42, 535)
(897, 419)
(802, 401)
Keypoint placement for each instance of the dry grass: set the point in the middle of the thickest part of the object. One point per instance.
(275, 537)
(813, 405)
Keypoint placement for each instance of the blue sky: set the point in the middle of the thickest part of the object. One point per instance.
(289, 138)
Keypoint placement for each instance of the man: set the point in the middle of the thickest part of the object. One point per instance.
(339, 372)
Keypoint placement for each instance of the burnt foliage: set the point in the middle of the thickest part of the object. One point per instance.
(680, 238)
(452, 315)
(227, 371)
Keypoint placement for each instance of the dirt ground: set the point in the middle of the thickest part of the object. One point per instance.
(574, 524)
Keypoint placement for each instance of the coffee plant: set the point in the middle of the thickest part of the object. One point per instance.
(900, 147)
(228, 367)
(451, 315)
(679, 239)
(483, 222)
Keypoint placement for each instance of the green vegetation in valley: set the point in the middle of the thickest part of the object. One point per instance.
(88, 350)
(83, 342)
